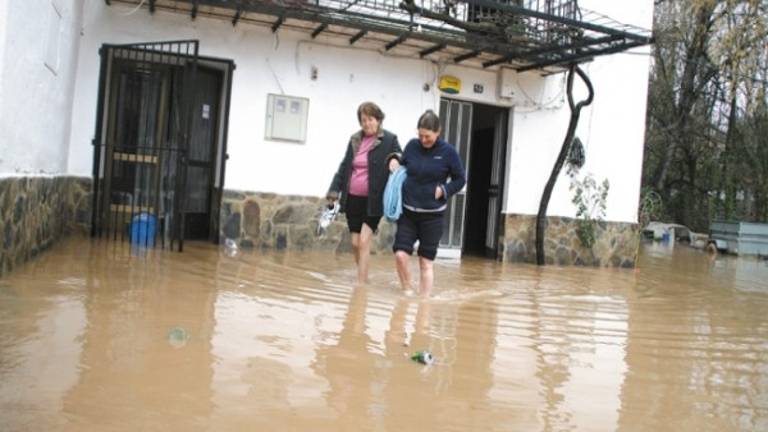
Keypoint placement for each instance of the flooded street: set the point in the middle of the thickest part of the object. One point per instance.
(92, 338)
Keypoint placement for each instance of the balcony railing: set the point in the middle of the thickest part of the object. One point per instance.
(523, 34)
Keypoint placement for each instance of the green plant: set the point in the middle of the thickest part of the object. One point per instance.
(651, 207)
(590, 201)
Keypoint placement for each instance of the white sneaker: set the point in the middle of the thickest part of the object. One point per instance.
(327, 217)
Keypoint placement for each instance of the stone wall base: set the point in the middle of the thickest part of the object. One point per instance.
(616, 243)
(36, 211)
(271, 221)
(267, 220)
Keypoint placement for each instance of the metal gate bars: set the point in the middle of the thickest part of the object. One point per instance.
(141, 142)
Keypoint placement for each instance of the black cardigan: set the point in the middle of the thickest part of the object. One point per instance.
(385, 148)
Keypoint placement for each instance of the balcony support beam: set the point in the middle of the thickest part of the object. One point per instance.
(432, 49)
(358, 36)
(319, 30)
(278, 23)
(237, 16)
(395, 42)
(466, 56)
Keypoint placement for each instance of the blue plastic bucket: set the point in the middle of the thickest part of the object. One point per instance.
(143, 227)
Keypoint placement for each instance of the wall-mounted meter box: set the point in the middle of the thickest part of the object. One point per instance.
(286, 118)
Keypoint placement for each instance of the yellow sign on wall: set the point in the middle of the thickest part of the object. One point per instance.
(450, 84)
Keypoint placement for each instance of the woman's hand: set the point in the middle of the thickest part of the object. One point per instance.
(394, 164)
(438, 192)
(332, 197)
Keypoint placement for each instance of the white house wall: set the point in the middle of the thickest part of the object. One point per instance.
(3, 33)
(612, 128)
(266, 64)
(36, 97)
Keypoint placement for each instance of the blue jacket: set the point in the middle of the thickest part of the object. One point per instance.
(427, 169)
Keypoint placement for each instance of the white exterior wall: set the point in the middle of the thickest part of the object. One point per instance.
(612, 128)
(265, 64)
(3, 33)
(35, 100)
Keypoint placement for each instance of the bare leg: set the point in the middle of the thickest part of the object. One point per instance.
(355, 245)
(363, 253)
(427, 276)
(401, 260)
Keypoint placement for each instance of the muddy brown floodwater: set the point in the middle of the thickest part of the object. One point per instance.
(95, 338)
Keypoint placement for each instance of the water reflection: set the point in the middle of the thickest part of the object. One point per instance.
(40, 346)
(94, 337)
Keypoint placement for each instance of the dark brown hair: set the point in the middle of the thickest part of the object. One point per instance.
(430, 121)
(370, 109)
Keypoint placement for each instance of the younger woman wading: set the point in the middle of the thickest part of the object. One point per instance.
(429, 162)
(359, 183)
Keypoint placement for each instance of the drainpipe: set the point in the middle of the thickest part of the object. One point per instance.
(575, 112)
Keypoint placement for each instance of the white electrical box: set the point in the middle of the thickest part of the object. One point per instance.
(506, 84)
(286, 118)
(510, 85)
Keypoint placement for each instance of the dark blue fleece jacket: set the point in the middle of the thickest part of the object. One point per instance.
(427, 169)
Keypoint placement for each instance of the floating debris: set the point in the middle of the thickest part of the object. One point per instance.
(177, 337)
(423, 357)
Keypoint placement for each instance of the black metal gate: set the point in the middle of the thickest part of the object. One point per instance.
(141, 142)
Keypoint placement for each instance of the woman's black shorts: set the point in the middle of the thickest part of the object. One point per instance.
(427, 228)
(357, 214)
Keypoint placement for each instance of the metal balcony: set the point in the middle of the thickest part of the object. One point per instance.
(521, 34)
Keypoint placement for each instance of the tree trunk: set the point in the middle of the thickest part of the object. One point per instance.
(725, 193)
(695, 60)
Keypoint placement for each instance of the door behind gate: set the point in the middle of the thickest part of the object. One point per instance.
(141, 143)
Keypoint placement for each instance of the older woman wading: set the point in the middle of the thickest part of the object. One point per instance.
(429, 162)
(360, 180)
